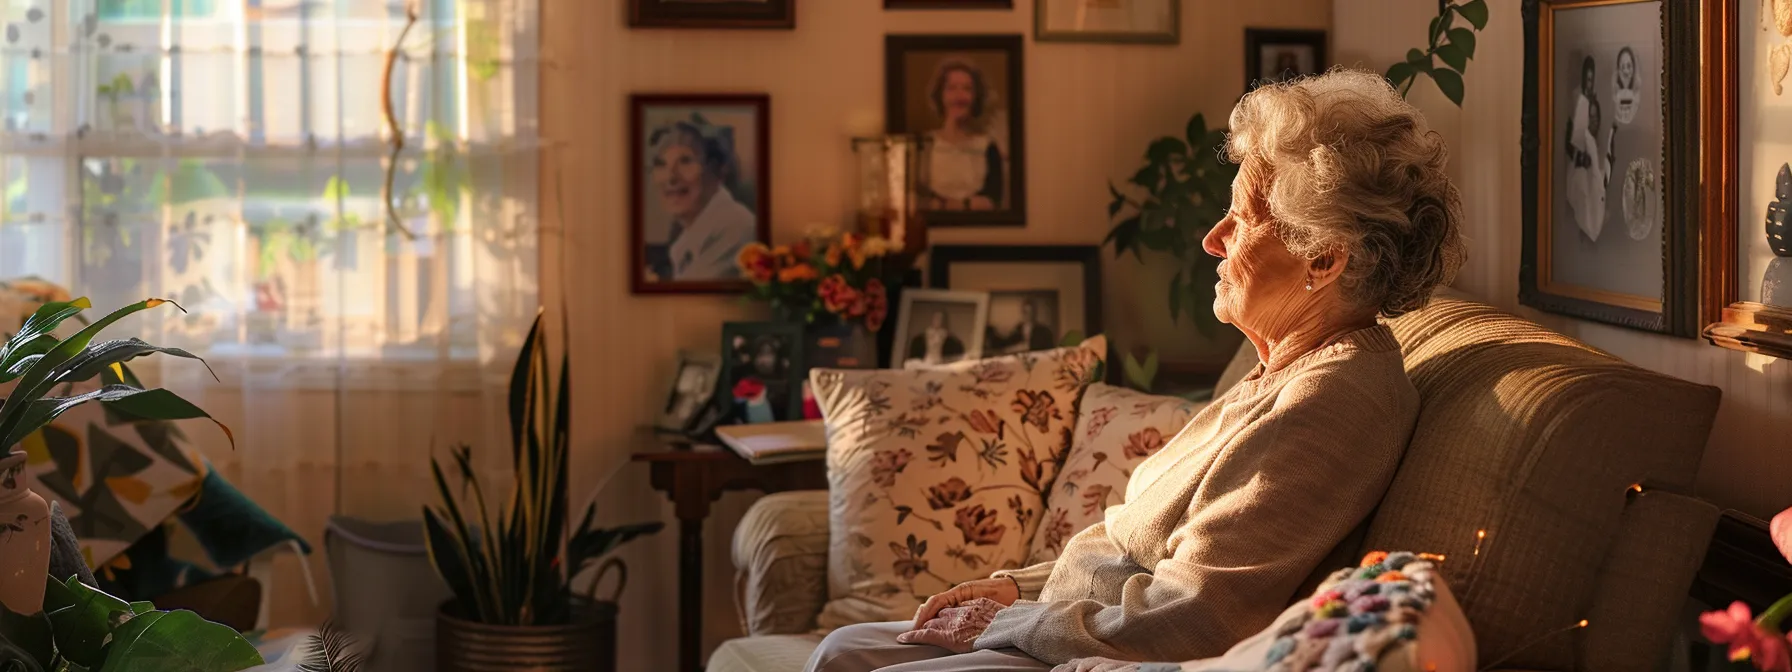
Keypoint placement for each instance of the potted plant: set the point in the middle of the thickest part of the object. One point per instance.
(511, 576)
(51, 624)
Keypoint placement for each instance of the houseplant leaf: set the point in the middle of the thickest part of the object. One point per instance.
(1125, 236)
(82, 617)
(34, 336)
(102, 356)
(1453, 56)
(30, 638)
(589, 545)
(1197, 131)
(1398, 73)
(1450, 83)
(37, 379)
(1464, 39)
(135, 403)
(178, 641)
(1165, 147)
(1476, 13)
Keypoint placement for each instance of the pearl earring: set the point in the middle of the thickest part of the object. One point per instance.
(1309, 285)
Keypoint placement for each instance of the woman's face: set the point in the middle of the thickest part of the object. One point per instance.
(1586, 79)
(684, 186)
(1258, 275)
(958, 94)
(1626, 69)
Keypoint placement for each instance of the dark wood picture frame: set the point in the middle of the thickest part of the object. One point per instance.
(638, 106)
(942, 257)
(768, 15)
(948, 4)
(1747, 326)
(896, 121)
(1678, 312)
(1041, 34)
(1255, 38)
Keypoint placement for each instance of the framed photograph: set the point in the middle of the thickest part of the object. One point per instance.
(1274, 55)
(963, 94)
(693, 385)
(937, 327)
(1037, 294)
(773, 14)
(763, 368)
(700, 173)
(1748, 263)
(1611, 162)
(948, 4)
(1126, 21)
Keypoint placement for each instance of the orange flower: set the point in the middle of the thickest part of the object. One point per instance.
(756, 262)
(854, 249)
(797, 273)
(832, 256)
(801, 250)
(782, 254)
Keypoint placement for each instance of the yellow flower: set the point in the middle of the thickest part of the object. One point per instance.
(877, 246)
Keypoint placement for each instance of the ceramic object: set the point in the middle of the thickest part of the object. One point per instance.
(1776, 282)
(1779, 229)
(24, 539)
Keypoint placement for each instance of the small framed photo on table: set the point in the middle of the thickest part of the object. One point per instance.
(693, 386)
(1039, 295)
(762, 364)
(700, 169)
(1118, 21)
(1275, 55)
(937, 327)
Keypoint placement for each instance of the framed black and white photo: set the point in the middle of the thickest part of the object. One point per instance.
(762, 368)
(1121, 21)
(1275, 55)
(963, 95)
(1038, 294)
(700, 175)
(693, 385)
(774, 14)
(948, 4)
(1611, 163)
(937, 327)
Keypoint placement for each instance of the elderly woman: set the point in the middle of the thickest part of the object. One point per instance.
(1341, 212)
(693, 171)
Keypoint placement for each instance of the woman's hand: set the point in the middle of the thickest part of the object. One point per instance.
(955, 628)
(1097, 665)
(1003, 590)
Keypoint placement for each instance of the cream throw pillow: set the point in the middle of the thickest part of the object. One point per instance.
(937, 476)
(1116, 429)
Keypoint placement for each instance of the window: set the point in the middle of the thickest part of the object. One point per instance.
(228, 154)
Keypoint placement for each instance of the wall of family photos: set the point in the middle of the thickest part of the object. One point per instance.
(1747, 447)
(1091, 110)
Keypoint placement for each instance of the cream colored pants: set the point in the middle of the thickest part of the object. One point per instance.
(872, 646)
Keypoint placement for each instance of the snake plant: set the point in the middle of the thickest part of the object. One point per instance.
(510, 569)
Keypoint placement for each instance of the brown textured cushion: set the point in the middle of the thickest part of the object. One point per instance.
(1534, 438)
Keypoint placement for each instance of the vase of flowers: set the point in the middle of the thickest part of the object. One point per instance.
(836, 285)
(1758, 641)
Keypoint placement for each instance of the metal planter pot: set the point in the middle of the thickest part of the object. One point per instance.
(585, 645)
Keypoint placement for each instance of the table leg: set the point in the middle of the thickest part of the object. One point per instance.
(690, 595)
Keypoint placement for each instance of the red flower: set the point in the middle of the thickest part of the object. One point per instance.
(1736, 627)
(877, 304)
(836, 295)
(1143, 443)
(757, 262)
(748, 388)
(1782, 533)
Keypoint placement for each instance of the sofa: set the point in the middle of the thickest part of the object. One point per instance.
(1550, 476)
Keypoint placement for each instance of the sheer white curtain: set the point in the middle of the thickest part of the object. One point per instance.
(230, 155)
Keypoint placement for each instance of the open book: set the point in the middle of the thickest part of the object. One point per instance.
(773, 442)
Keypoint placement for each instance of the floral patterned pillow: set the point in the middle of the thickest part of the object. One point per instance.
(1116, 429)
(937, 476)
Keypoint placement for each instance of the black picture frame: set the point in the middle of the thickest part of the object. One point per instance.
(1678, 311)
(896, 117)
(641, 257)
(763, 15)
(941, 258)
(1257, 38)
(789, 399)
(948, 4)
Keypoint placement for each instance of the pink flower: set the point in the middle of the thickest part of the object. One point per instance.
(1736, 627)
(1781, 529)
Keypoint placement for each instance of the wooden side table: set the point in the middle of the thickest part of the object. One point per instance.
(693, 476)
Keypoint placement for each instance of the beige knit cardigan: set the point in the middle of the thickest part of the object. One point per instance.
(1222, 525)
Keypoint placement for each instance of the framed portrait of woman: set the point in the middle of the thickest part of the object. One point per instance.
(963, 95)
(1612, 164)
(772, 14)
(700, 170)
(1748, 100)
(1274, 55)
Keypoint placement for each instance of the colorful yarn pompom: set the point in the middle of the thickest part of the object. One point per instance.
(1327, 596)
(1398, 559)
(1279, 650)
(1322, 628)
(1371, 571)
(1361, 622)
(1333, 609)
(1369, 604)
(1392, 576)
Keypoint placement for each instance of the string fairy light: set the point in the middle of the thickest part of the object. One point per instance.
(1480, 536)
(1578, 625)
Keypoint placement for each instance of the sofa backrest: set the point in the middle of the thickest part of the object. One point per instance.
(1536, 440)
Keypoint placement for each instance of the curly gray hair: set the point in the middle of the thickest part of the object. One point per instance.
(1341, 162)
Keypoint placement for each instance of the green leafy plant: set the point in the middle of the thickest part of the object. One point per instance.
(330, 649)
(509, 569)
(1186, 190)
(40, 362)
(83, 629)
(1454, 46)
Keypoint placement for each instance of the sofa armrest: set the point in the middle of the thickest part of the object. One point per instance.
(781, 563)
